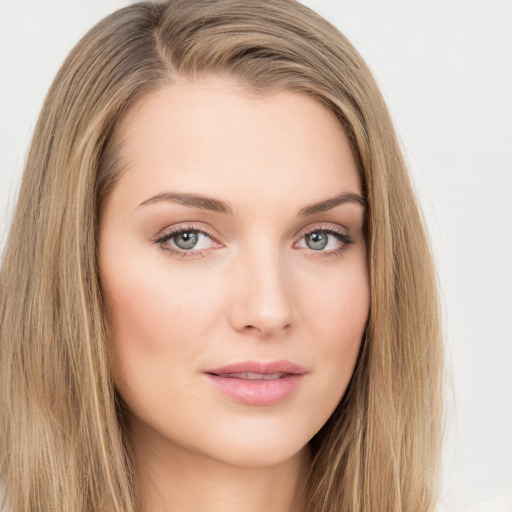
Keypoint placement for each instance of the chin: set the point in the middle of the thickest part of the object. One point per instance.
(260, 457)
(257, 443)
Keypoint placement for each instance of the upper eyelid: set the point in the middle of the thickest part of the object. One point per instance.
(179, 228)
(323, 226)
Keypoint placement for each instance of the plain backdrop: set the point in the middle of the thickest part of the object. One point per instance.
(445, 68)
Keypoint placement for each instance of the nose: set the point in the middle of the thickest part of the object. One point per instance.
(262, 300)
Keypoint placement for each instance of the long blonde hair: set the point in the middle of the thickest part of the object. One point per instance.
(61, 424)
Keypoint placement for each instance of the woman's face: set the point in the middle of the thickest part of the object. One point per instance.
(233, 263)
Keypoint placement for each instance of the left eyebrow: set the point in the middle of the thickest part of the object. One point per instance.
(328, 204)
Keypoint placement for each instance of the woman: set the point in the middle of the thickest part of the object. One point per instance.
(227, 299)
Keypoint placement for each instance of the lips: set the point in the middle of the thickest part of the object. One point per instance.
(254, 376)
(257, 383)
(259, 368)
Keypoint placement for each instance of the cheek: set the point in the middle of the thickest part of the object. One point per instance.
(336, 320)
(156, 323)
(339, 309)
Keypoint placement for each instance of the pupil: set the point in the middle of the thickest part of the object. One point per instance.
(316, 240)
(186, 240)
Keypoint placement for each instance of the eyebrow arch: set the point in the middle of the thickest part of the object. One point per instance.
(217, 205)
(327, 204)
(192, 200)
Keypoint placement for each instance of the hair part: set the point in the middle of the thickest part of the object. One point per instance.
(62, 445)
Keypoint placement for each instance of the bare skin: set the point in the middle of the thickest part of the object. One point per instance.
(234, 236)
(194, 483)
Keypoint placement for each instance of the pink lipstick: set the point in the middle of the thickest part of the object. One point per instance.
(257, 383)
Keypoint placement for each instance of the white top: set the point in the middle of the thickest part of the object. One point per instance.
(501, 504)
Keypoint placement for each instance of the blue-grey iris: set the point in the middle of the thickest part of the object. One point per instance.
(186, 240)
(317, 240)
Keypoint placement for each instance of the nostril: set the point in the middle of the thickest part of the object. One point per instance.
(265, 331)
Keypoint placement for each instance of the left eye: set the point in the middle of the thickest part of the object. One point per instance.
(188, 240)
(323, 240)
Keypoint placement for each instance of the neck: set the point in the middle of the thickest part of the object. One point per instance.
(172, 479)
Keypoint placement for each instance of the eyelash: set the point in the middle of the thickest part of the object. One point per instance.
(167, 235)
(345, 240)
(172, 232)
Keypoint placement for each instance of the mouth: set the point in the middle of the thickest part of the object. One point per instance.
(256, 370)
(251, 375)
(256, 383)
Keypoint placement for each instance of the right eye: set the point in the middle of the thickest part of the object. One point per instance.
(185, 240)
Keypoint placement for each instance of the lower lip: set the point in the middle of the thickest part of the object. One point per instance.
(257, 392)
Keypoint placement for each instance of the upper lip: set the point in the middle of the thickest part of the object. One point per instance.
(264, 368)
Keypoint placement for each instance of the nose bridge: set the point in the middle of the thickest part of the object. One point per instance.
(263, 296)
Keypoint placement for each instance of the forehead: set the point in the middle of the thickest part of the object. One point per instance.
(214, 139)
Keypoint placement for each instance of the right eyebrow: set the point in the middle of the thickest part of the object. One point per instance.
(192, 200)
